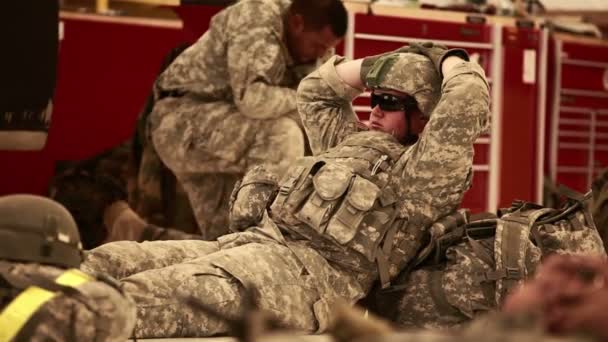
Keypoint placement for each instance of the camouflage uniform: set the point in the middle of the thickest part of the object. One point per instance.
(157, 196)
(227, 103)
(281, 259)
(154, 192)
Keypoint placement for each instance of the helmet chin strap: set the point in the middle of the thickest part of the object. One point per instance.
(409, 137)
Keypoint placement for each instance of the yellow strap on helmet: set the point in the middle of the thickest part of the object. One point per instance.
(21, 309)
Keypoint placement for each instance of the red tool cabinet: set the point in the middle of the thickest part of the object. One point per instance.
(577, 136)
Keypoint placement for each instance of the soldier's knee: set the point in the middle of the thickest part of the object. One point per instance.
(166, 134)
(111, 258)
(287, 138)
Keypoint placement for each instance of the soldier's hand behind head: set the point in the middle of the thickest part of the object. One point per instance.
(437, 53)
(369, 61)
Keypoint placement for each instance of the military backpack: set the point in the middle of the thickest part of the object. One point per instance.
(472, 262)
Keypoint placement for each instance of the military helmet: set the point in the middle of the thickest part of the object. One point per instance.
(408, 73)
(38, 229)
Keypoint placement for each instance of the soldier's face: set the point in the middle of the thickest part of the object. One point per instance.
(388, 116)
(306, 45)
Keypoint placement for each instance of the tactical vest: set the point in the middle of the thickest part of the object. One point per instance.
(29, 296)
(345, 201)
(470, 265)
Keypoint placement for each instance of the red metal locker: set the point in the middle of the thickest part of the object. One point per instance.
(577, 137)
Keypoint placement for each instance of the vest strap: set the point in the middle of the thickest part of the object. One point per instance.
(435, 285)
(19, 311)
(383, 271)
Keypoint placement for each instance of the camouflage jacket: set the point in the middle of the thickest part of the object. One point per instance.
(433, 173)
(242, 60)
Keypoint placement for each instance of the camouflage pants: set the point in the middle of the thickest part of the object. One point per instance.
(209, 196)
(295, 284)
(211, 145)
(156, 195)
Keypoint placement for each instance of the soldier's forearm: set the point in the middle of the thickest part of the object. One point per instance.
(462, 111)
(324, 104)
(449, 63)
(263, 101)
(465, 98)
(349, 72)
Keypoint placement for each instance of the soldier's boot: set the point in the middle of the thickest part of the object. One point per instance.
(123, 223)
(98, 204)
(87, 196)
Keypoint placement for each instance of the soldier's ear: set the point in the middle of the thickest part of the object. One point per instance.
(296, 23)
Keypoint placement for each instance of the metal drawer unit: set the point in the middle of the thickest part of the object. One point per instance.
(579, 118)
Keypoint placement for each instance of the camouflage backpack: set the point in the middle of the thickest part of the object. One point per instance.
(471, 263)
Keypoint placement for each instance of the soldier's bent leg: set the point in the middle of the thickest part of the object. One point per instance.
(286, 291)
(209, 196)
(121, 259)
(124, 224)
(281, 143)
(158, 197)
(161, 297)
(195, 137)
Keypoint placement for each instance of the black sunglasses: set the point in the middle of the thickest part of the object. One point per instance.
(392, 103)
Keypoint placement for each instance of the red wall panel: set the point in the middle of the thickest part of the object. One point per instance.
(519, 119)
(105, 71)
(475, 198)
(580, 77)
(583, 100)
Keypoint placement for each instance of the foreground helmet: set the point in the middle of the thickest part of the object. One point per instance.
(38, 229)
(408, 73)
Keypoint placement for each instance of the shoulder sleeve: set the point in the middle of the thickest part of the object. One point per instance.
(257, 62)
(324, 104)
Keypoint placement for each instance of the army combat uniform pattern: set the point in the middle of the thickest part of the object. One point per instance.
(226, 103)
(299, 259)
